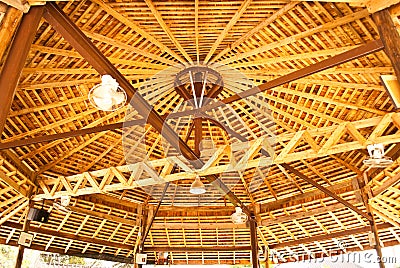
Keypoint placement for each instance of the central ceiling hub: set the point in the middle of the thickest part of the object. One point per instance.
(196, 83)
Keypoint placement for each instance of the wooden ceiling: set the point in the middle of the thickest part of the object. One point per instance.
(289, 152)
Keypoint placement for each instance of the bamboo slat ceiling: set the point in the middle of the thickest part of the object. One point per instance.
(320, 124)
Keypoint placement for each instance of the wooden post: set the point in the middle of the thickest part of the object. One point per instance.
(25, 227)
(377, 245)
(21, 248)
(390, 38)
(253, 241)
(366, 195)
(16, 59)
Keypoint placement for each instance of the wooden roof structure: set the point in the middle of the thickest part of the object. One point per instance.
(293, 96)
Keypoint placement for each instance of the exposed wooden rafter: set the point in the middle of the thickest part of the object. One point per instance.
(320, 142)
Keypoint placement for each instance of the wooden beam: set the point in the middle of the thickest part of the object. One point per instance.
(137, 28)
(377, 245)
(329, 236)
(227, 28)
(294, 38)
(326, 190)
(196, 28)
(15, 186)
(199, 249)
(352, 54)
(25, 228)
(151, 220)
(15, 61)
(61, 22)
(328, 141)
(167, 30)
(390, 37)
(70, 134)
(21, 5)
(198, 134)
(256, 29)
(375, 6)
(8, 27)
(99, 256)
(81, 238)
(200, 225)
(253, 242)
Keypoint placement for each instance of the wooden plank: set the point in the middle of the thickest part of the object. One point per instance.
(15, 61)
(21, 5)
(324, 237)
(167, 30)
(9, 25)
(81, 238)
(324, 27)
(15, 186)
(389, 36)
(137, 28)
(376, 6)
(198, 249)
(227, 28)
(256, 29)
(326, 191)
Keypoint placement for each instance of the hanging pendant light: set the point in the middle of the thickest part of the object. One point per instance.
(107, 96)
(197, 186)
(239, 217)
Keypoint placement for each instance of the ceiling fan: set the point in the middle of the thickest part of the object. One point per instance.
(107, 96)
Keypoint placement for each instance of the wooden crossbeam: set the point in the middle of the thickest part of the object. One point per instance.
(341, 58)
(326, 141)
(198, 249)
(9, 25)
(312, 239)
(82, 238)
(256, 29)
(227, 28)
(291, 39)
(125, 20)
(15, 186)
(15, 61)
(167, 30)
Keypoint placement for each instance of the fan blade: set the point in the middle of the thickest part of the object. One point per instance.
(104, 104)
(118, 98)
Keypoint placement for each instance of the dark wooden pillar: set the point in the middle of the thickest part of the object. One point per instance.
(253, 242)
(198, 134)
(16, 59)
(21, 248)
(367, 194)
(390, 38)
(377, 245)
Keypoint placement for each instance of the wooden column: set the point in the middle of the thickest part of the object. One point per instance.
(21, 248)
(16, 59)
(25, 227)
(253, 242)
(377, 246)
(390, 38)
(366, 195)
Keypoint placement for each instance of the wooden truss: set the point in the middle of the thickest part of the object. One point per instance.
(305, 144)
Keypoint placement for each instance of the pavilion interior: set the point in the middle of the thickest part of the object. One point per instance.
(271, 104)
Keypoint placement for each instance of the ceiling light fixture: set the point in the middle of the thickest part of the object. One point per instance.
(239, 217)
(107, 96)
(377, 158)
(197, 186)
